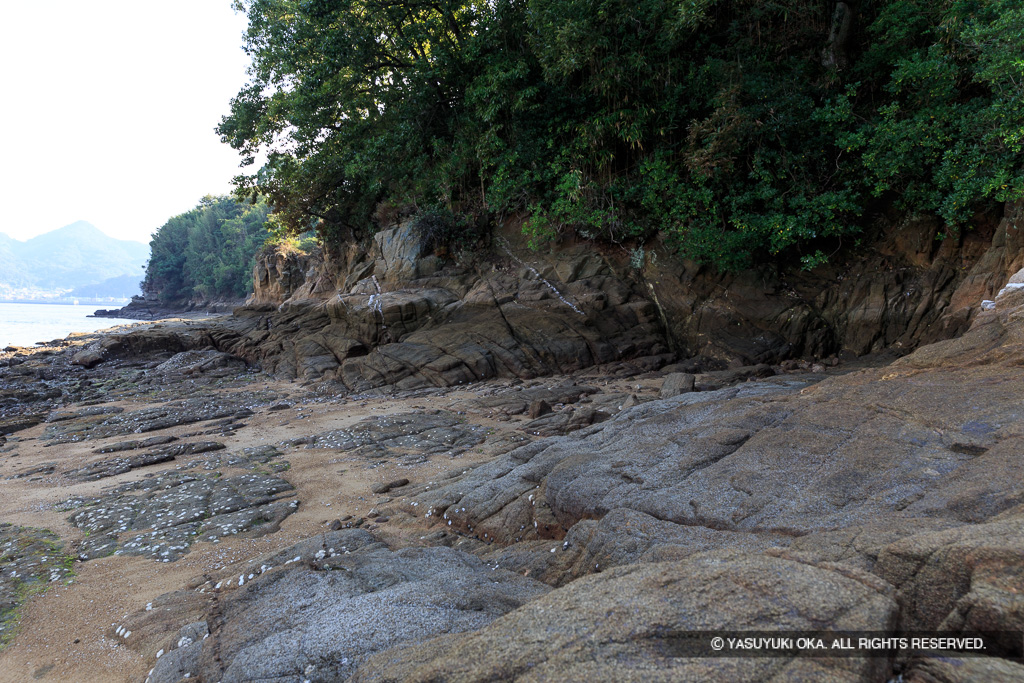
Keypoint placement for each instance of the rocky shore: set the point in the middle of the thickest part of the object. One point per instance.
(413, 473)
(152, 308)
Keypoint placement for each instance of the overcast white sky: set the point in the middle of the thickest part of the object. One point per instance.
(109, 108)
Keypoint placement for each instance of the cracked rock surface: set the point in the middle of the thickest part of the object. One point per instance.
(320, 614)
(163, 516)
(414, 435)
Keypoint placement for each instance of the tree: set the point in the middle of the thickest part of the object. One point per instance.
(351, 100)
(207, 252)
(741, 130)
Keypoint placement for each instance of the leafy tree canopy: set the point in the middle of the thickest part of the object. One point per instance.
(207, 252)
(741, 129)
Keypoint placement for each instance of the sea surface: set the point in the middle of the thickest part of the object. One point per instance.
(28, 324)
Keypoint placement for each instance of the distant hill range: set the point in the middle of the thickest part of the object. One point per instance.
(76, 260)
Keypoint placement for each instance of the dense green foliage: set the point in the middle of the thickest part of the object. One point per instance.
(740, 129)
(207, 252)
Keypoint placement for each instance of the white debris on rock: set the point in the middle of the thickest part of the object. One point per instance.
(1015, 282)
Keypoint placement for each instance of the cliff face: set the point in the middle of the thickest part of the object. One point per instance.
(905, 289)
(399, 315)
(278, 275)
(521, 313)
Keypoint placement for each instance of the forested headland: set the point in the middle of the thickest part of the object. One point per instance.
(737, 131)
(208, 252)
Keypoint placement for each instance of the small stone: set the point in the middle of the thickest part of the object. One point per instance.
(384, 487)
(539, 407)
(677, 383)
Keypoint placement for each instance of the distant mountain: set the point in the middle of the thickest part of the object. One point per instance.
(122, 286)
(75, 256)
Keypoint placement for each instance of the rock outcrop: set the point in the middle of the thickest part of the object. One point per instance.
(874, 453)
(632, 624)
(398, 315)
(318, 610)
(903, 289)
(280, 274)
(583, 527)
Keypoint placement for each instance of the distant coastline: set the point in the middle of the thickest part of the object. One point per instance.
(68, 301)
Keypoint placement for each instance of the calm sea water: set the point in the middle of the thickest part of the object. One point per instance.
(28, 324)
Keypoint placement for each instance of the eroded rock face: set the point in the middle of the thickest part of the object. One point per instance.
(278, 275)
(446, 331)
(908, 289)
(398, 317)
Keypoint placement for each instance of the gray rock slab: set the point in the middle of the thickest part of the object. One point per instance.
(412, 435)
(319, 618)
(625, 625)
(161, 517)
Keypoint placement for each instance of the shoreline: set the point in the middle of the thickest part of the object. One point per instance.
(144, 309)
(203, 510)
(71, 620)
(69, 302)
